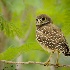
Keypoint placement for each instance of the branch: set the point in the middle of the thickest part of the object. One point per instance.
(32, 62)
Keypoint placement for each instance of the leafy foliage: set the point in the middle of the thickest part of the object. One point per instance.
(9, 29)
(11, 52)
(23, 22)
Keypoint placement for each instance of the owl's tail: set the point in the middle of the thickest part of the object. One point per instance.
(66, 51)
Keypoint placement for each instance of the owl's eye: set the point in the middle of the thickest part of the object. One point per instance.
(36, 19)
(43, 18)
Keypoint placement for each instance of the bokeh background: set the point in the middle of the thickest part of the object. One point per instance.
(17, 32)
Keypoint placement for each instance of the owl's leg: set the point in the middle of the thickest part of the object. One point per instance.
(57, 58)
(48, 61)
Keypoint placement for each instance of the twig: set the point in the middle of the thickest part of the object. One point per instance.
(32, 62)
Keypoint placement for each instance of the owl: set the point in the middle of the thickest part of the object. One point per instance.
(50, 37)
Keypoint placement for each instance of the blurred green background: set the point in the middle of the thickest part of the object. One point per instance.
(17, 31)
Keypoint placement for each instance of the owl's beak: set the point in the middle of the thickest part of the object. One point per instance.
(38, 22)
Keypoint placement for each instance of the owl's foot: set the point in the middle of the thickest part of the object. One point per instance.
(57, 64)
(47, 63)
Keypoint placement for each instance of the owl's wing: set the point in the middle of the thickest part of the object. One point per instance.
(59, 33)
(62, 40)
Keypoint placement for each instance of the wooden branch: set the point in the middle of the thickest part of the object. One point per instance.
(32, 62)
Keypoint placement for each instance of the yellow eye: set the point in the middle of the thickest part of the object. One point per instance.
(43, 18)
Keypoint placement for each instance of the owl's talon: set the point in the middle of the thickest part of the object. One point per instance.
(47, 63)
(57, 65)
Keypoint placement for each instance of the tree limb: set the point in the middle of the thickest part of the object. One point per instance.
(32, 62)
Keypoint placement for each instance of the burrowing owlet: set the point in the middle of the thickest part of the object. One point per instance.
(50, 36)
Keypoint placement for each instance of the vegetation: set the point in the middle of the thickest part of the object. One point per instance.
(17, 22)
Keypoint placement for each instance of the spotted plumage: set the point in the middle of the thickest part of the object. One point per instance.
(50, 36)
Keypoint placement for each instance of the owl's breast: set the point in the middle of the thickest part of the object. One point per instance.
(43, 40)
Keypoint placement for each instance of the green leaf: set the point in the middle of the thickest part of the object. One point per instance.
(13, 52)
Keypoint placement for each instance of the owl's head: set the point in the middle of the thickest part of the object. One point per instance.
(43, 19)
